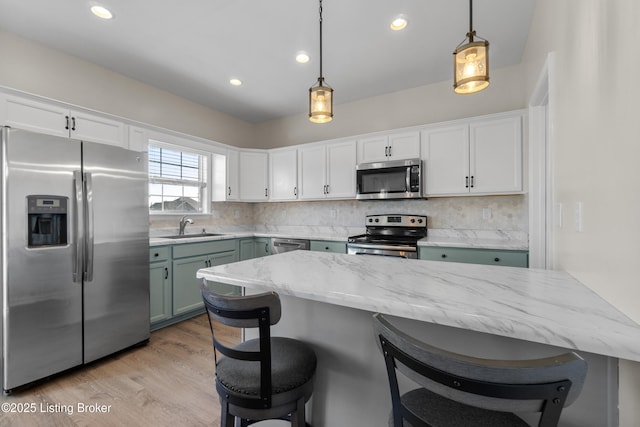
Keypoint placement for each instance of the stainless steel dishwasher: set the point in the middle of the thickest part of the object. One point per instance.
(279, 245)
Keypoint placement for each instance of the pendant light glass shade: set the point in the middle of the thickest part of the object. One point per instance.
(471, 62)
(321, 95)
(471, 67)
(320, 103)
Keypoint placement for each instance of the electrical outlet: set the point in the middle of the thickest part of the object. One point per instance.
(236, 213)
(486, 213)
(333, 213)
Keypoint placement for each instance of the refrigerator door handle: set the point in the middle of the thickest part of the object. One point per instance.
(78, 245)
(88, 207)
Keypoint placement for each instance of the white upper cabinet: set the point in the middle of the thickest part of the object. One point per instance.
(482, 156)
(233, 175)
(495, 156)
(327, 171)
(445, 155)
(392, 146)
(283, 176)
(254, 176)
(341, 170)
(51, 119)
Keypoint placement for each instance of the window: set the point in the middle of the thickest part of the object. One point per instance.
(177, 180)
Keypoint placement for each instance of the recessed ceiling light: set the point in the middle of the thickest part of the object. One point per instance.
(235, 82)
(302, 57)
(101, 12)
(398, 23)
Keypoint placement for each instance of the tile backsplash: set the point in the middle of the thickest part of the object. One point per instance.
(508, 213)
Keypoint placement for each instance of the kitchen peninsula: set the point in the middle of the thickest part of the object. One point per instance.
(488, 311)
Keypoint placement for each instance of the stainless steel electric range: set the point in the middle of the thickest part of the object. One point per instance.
(390, 235)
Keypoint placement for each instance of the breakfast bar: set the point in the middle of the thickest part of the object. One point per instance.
(486, 311)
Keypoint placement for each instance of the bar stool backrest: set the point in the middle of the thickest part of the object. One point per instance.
(543, 385)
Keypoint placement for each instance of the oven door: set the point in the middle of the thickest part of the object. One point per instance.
(399, 251)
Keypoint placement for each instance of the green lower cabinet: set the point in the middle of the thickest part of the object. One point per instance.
(254, 247)
(262, 246)
(247, 249)
(186, 288)
(174, 290)
(160, 283)
(510, 258)
(328, 246)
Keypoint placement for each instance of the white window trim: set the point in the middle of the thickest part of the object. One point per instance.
(206, 194)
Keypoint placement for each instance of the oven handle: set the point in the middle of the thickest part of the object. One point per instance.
(382, 247)
(387, 255)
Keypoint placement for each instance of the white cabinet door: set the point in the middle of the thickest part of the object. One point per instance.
(233, 175)
(404, 146)
(88, 127)
(483, 156)
(374, 149)
(341, 170)
(495, 162)
(312, 170)
(393, 146)
(445, 154)
(55, 120)
(253, 176)
(283, 176)
(35, 116)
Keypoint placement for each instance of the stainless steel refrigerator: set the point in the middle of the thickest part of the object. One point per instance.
(75, 253)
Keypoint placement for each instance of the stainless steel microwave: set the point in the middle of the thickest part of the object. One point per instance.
(396, 179)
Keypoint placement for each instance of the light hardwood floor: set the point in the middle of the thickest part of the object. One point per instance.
(168, 382)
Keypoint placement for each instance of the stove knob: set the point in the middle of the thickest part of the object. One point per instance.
(413, 220)
(377, 220)
(370, 219)
(420, 221)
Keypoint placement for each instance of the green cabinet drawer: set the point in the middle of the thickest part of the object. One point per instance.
(510, 258)
(202, 248)
(328, 246)
(159, 253)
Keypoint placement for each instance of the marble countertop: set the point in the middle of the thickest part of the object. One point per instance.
(481, 239)
(540, 306)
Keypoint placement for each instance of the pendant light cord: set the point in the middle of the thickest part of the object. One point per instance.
(471, 33)
(320, 79)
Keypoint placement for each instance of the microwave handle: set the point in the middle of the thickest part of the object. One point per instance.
(408, 179)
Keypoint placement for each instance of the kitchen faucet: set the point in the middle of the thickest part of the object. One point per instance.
(183, 223)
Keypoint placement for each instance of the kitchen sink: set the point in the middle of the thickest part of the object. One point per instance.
(191, 236)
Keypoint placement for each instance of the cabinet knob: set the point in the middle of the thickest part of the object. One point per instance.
(326, 248)
(156, 254)
(496, 259)
(444, 255)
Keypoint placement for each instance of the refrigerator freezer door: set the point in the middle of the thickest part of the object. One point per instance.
(42, 306)
(116, 295)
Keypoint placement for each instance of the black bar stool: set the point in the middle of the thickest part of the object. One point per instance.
(263, 378)
(462, 391)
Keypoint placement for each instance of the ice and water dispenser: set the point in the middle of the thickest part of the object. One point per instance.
(47, 221)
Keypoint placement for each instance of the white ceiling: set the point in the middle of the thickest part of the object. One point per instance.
(192, 48)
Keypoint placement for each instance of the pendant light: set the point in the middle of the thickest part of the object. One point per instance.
(471, 62)
(321, 96)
